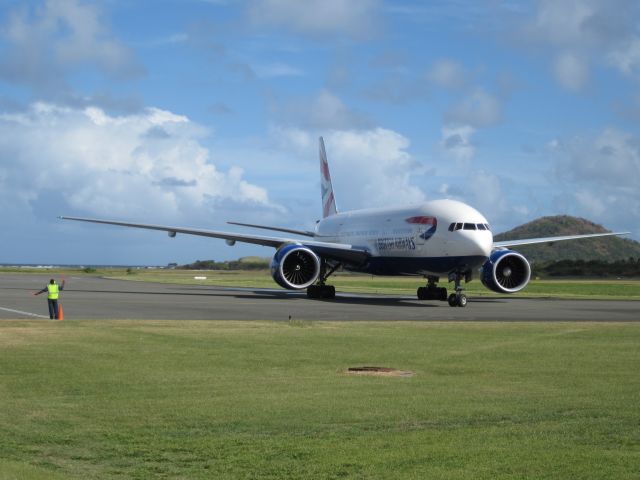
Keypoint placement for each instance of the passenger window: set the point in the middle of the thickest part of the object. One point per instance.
(469, 226)
(481, 226)
(451, 227)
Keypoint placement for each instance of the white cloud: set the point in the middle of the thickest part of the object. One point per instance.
(48, 42)
(478, 109)
(612, 158)
(323, 111)
(487, 195)
(447, 73)
(369, 168)
(627, 58)
(456, 143)
(587, 32)
(277, 69)
(600, 175)
(571, 71)
(561, 23)
(375, 167)
(353, 18)
(148, 165)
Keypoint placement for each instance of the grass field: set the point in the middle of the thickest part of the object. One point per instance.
(87, 399)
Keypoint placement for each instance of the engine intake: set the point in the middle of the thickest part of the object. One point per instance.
(295, 267)
(505, 271)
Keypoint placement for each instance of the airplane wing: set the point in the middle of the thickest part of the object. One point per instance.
(531, 241)
(337, 251)
(305, 233)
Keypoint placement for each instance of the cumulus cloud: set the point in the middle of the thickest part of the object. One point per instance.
(584, 32)
(477, 109)
(571, 71)
(277, 69)
(396, 89)
(627, 57)
(323, 111)
(49, 41)
(376, 166)
(603, 172)
(353, 18)
(456, 143)
(610, 158)
(447, 73)
(369, 168)
(146, 165)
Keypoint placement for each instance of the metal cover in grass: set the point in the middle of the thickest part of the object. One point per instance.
(381, 371)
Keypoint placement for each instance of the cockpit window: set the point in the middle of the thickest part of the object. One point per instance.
(468, 226)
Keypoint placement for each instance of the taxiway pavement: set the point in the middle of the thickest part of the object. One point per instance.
(89, 297)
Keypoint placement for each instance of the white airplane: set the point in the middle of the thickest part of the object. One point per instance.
(441, 238)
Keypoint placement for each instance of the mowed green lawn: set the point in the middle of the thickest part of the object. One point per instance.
(180, 399)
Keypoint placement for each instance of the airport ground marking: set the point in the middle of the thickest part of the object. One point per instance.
(23, 313)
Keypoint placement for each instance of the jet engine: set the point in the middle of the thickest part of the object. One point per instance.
(505, 271)
(295, 267)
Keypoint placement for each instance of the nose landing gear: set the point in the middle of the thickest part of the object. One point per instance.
(459, 299)
(433, 292)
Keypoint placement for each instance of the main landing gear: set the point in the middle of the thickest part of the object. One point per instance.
(320, 290)
(433, 292)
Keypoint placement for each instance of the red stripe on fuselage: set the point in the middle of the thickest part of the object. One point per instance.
(422, 220)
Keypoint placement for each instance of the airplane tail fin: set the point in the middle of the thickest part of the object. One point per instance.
(328, 200)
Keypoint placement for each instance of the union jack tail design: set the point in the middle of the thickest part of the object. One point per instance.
(328, 200)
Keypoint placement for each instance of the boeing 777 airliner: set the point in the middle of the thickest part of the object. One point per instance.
(441, 238)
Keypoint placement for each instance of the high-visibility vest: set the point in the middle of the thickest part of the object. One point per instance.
(53, 291)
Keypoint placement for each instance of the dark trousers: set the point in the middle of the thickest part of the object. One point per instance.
(53, 308)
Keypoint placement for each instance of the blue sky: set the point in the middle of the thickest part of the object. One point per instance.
(197, 112)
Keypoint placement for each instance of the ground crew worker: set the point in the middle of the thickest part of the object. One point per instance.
(53, 292)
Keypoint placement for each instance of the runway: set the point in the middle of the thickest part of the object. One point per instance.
(89, 297)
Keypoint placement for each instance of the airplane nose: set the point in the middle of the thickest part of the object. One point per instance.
(481, 243)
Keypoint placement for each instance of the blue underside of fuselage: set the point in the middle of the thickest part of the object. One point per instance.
(418, 265)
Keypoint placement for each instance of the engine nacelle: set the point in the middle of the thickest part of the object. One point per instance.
(506, 271)
(295, 267)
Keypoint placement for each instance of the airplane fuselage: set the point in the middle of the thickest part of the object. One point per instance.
(433, 238)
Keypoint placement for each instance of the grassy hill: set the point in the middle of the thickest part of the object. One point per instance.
(609, 249)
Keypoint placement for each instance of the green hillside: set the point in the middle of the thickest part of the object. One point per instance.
(609, 249)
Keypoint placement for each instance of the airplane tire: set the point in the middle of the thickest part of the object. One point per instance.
(462, 300)
(321, 291)
(421, 293)
(453, 301)
(328, 291)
